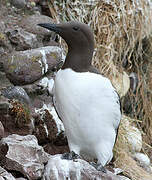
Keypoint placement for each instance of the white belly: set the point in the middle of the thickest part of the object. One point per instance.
(87, 105)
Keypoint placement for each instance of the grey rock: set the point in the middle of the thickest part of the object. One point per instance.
(2, 26)
(29, 23)
(22, 39)
(4, 105)
(1, 130)
(4, 175)
(25, 67)
(4, 81)
(23, 154)
(16, 92)
(58, 168)
(18, 3)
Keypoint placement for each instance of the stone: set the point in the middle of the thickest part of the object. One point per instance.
(4, 105)
(1, 130)
(15, 117)
(2, 26)
(29, 23)
(23, 154)
(20, 4)
(25, 67)
(58, 168)
(16, 92)
(48, 127)
(23, 40)
(4, 81)
(4, 175)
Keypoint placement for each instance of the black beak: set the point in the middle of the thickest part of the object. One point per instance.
(51, 27)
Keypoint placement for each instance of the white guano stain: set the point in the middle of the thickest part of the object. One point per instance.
(44, 61)
(51, 109)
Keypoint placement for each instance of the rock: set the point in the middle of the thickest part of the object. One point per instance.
(4, 175)
(16, 92)
(20, 4)
(48, 126)
(15, 117)
(25, 67)
(4, 81)
(58, 168)
(23, 40)
(29, 24)
(4, 105)
(2, 26)
(24, 155)
(1, 130)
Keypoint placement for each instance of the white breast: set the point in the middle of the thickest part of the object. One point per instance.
(88, 106)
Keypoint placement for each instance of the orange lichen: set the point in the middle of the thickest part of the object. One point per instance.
(20, 112)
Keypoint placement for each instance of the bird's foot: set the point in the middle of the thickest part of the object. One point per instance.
(98, 167)
(70, 156)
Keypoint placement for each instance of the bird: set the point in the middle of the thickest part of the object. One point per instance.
(85, 100)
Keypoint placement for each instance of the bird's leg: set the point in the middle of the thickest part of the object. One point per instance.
(99, 167)
(70, 156)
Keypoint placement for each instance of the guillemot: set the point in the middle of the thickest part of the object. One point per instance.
(85, 100)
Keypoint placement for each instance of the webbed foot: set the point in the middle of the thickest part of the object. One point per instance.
(70, 156)
(98, 167)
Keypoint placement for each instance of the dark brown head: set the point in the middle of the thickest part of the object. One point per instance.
(79, 39)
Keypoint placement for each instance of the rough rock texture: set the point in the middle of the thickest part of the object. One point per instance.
(58, 168)
(19, 66)
(48, 127)
(23, 154)
(4, 175)
(23, 40)
(4, 105)
(1, 130)
(16, 92)
(4, 81)
(18, 3)
(29, 23)
(15, 117)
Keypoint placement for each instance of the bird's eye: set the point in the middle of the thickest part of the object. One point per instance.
(76, 28)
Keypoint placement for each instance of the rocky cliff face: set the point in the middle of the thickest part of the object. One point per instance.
(32, 135)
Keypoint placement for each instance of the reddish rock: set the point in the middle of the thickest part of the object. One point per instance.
(23, 154)
(48, 127)
(15, 117)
